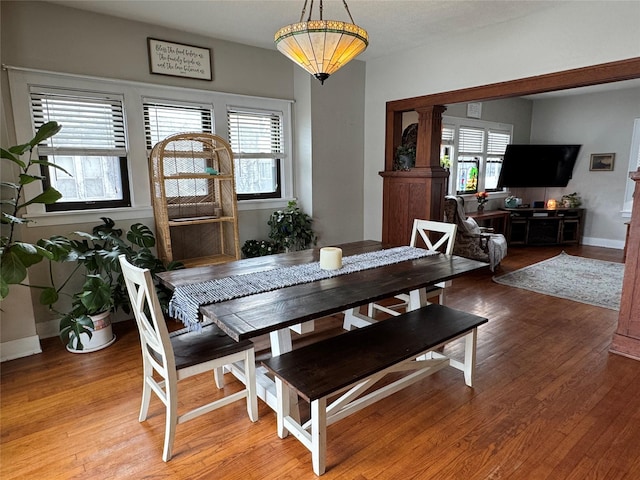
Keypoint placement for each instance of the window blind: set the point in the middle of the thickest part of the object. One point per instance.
(448, 134)
(255, 134)
(90, 124)
(497, 142)
(162, 119)
(471, 140)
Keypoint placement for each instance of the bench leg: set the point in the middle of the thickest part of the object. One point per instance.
(470, 356)
(319, 435)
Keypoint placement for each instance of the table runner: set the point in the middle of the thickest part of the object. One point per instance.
(187, 299)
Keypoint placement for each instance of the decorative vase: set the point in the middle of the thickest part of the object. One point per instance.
(480, 208)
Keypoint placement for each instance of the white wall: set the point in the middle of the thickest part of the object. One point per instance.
(570, 35)
(601, 123)
(46, 36)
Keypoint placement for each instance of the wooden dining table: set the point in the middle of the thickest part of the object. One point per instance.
(274, 312)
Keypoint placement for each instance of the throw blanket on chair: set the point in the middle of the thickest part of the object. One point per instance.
(471, 241)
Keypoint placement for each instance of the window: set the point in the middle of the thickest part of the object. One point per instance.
(473, 150)
(91, 147)
(132, 117)
(163, 119)
(496, 145)
(470, 150)
(256, 138)
(634, 164)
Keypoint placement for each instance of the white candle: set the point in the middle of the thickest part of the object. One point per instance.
(330, 258)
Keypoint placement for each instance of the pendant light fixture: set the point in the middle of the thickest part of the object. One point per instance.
(321, 47)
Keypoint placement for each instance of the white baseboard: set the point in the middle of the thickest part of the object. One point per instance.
(603, 242)
(23, 347)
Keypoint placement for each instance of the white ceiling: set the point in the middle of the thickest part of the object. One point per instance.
(393, 25)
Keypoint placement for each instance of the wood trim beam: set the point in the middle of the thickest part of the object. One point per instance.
(628, 69)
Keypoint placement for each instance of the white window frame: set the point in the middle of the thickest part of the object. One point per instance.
(278, 156)
(20, 81)
(113, 145)
(456, 123)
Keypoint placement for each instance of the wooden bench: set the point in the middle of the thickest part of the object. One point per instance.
(353, 362)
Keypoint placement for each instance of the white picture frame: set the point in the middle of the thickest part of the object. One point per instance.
(474, 110)
(179, 59)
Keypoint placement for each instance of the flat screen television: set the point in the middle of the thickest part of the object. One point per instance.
(537, 165)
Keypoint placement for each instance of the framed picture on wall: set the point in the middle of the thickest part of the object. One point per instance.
(602, 162)
(179, 60)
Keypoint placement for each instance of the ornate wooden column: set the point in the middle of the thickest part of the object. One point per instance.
(419, 192)
(626, 340)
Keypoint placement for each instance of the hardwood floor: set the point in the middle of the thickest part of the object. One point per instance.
(549, 402)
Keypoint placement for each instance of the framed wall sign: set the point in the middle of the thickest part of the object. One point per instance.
(474, 110)
(602, 162)
(179, 60)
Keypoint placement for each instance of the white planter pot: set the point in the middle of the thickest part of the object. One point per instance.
(102, 334)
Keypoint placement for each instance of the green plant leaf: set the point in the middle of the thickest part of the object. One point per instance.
(96, 295)
(20, 149)
(10, 156)
(29, 253)
(27, 179)
(60, 248)
(72, 326)
(12, 270)
(48, 296)
(4, 289)
(6, 218)
(52, 165)
(49, 196)
(45, 131)
(141, 235)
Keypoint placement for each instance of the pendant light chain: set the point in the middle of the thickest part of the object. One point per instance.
(304, 8)
(346, 7)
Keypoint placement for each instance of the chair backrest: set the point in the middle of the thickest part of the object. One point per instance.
(454, 213)
(154, 336)
(423, 228)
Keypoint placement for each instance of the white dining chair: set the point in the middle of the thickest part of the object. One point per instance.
(427, 234)
(180, 355)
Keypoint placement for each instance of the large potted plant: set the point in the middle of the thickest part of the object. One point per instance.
(94, 255)
(87, 326)
(17, 256)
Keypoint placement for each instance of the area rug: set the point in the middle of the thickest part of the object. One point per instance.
(585, 280)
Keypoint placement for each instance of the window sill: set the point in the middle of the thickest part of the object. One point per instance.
(87, 216)
(93, 216)
(264, 204)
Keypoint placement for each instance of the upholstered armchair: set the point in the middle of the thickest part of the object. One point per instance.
(471, 240)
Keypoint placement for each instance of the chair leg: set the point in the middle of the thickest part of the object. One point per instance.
(347, 323)
(146, 392)
(171, 420)
(250, 379)
(218, 375)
